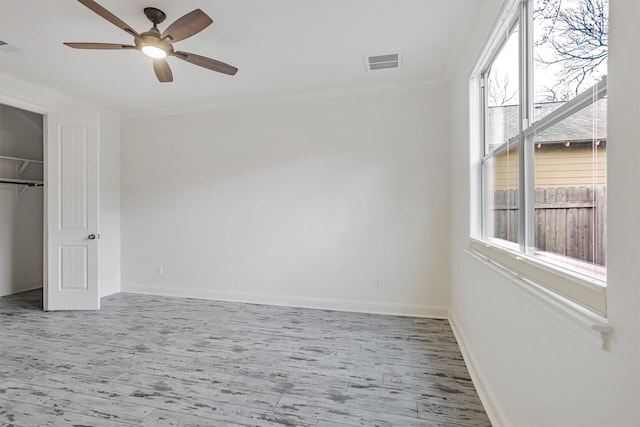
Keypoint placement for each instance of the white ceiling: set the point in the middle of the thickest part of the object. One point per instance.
(281, 47)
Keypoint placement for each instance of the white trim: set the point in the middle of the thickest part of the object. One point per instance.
(500, 26)
(494, 411)
(17, 103)
(413, 310)
(109, 293)
(587, 292)
(23, 287)
(408, 87)
(589, 325)
(31, 96)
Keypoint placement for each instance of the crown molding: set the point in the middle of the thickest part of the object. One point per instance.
(287, 98)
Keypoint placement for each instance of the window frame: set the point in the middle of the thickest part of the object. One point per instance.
(571, 285)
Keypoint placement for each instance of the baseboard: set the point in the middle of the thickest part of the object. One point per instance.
(109, 293)
(397, 309)
(495, 413)
(23, 287)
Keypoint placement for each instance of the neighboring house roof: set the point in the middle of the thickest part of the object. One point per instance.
(502, 123)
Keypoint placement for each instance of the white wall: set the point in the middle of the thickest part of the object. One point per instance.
(305, 202)
(21, 135)
(536, 367)
(22, 94)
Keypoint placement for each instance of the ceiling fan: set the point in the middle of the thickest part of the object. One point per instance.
(159, 45)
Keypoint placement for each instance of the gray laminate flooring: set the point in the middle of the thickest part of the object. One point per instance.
(161, 361)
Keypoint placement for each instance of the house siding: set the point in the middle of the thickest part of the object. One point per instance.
(556, 166)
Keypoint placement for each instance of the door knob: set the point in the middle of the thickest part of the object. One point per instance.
(92, 236)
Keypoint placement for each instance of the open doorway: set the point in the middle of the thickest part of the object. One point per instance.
(21, 200)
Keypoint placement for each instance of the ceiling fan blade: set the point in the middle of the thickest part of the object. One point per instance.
(190, 24)
(109, 16)
(162, 70)
(99, 45)
(205, 62)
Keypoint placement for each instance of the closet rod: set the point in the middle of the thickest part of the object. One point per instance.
(21, 182)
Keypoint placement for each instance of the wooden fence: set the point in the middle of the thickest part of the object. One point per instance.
(569, 221)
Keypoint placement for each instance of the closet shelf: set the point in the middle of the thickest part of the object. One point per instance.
(21, 159)
(25, 163)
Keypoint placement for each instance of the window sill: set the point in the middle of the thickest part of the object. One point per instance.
(531, 275)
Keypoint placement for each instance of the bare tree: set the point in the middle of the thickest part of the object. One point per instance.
(499, 92)
(558, 93)
(575, 35)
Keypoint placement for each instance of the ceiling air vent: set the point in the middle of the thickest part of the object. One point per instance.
(383, 62)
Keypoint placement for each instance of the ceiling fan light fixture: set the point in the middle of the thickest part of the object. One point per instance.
(159, 45)
(154, 51)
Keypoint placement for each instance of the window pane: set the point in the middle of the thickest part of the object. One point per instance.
(502, 216)
(570, 175)
(570, 48)
(503, 96)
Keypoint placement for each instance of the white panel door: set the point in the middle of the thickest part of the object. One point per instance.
(72, 212)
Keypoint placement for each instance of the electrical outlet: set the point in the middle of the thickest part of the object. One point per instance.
(160, 270)
(378, 283)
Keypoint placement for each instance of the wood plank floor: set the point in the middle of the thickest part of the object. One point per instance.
(159, 361)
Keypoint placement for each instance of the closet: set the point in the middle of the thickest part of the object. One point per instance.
(21, 200)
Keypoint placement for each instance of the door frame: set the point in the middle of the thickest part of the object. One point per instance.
(44, 111)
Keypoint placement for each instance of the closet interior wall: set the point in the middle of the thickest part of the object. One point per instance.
(21, 208)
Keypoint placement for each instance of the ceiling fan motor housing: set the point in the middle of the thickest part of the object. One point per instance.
(152, 38)
(154, 15)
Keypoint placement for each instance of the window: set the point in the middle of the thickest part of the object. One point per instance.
(542, 162)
